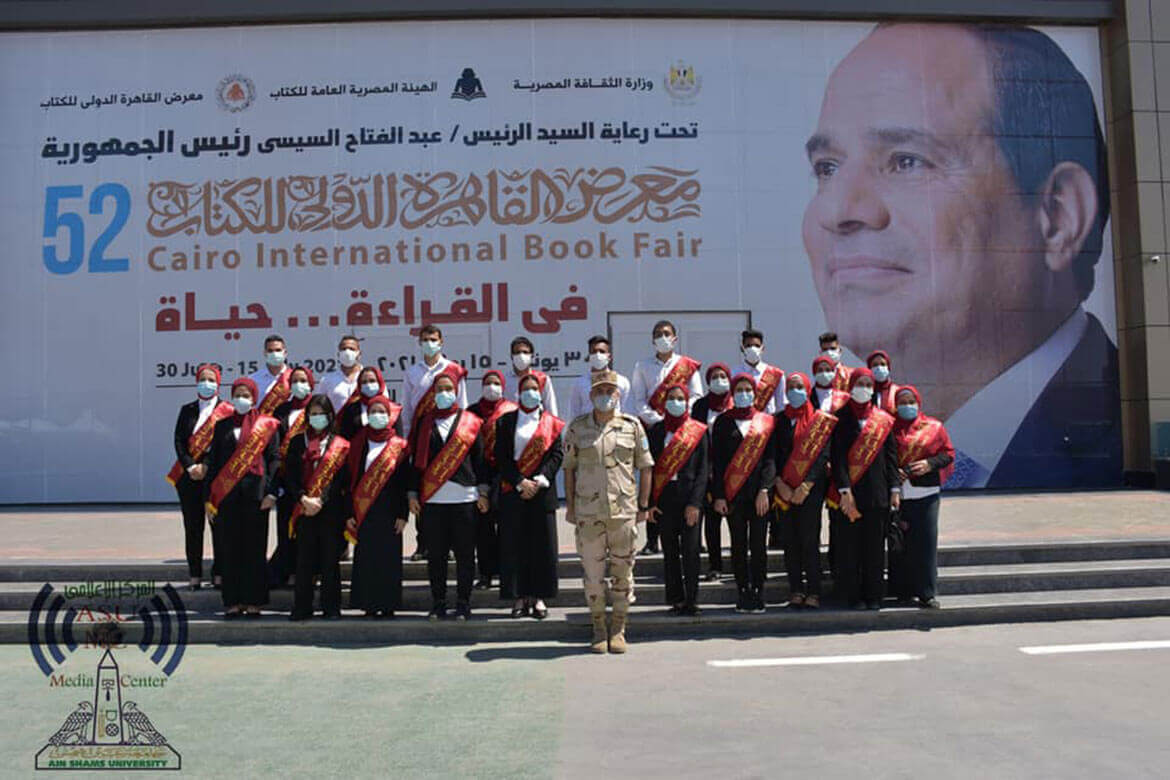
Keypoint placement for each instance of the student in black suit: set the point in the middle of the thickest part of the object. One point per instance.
(679, 446)
(741, 490)
(291, 414)
(318, 519)
(706, 409)
(868, 495)
(241, 509)
(188, 473)
(528, 501)
(446, 492)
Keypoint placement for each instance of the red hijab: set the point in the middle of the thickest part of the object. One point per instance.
(717, 402)
(860, 411)
(818, 360)
(213, 369)
(674, 423)
(540, 378)
(904, 428)
(381, 385)
(245, 422)
(804, 411)
(301, 403)
(748, 411)
(869, 363)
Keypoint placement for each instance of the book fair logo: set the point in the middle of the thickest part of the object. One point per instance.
(468, 87)
(234, 93)
(682, 83)
(106, 730)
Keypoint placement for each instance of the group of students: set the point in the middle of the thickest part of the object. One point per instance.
(342, 463)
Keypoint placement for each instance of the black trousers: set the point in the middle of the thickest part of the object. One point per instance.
(680, 549)
(918, 564)
(283, 562)
(487, 543)
(651, 534)
(713, 533)
(318, 548)
(194, 519)
(861, 555)
(749, 545)
(802, 543)
(244, 542)
(837, 522)
(451, 527)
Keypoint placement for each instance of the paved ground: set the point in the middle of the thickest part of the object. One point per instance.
(155, 532)
(966, 703)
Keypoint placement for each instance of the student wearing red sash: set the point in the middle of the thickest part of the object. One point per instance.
(352, 417)
(828, 399)
(528, 455)
(678, 491)
(489, 408)
(706, 409)
(193, 430)
(418, 399)
(884, 390)
(241, 486)
(652, 377)
(448, 484)
(272, 380)
(317, 477)
(769, 378)
(831, 348)
(744, 465)
(925, 460)
(865, 473)
(291, 415)
(379, 469)
(803, 438)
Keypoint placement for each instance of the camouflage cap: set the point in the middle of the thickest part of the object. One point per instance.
(604, 378)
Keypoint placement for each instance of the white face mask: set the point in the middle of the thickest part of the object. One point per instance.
(604, 403)
(492, 392)
(370, 389)
(598, 361)
(430, 347)
(275, 358)
(299, 390)
(347, 357)
(242, 405)
(720, 385)
(824, 378)
(832, 352)
(521, 361)
(861, 395)
(752, 354)
(664, 344)
(881, 373)
(378, 420)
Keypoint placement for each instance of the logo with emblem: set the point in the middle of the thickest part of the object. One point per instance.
(234, 93)
(468, 87)
(682, 83)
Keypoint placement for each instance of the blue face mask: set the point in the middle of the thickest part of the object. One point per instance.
(604, 403)
(796, 397)
(908, 411)
(744, 399)
(300, 390)
(370, 389)
(206, 388)
(444, 399)
(530, 398)
(378, 420)
(319, 422)
(675, 407)
(881, 373)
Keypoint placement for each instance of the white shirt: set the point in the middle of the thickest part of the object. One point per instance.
(548, 396)
(579, 402)
(983, 427)
(376, 448)
(337, 387)
(264, 380)
(743, 425)
(450, 492)
(823, 397)
(415, 383)
(206, 407)
(777, 401)
(526, 423)
(648, 374)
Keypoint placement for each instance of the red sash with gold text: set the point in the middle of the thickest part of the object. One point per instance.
(766, 386)
(748, 455)
(241, 460)
(294, 430)
(675, 455)
(454, 450)
(327, 468)
(489, 430)
(369, 487)
(841, 378)
(680, 374)
(868, 444)
(426, 404)
(200, 440)
(926, 437)
(809, 438)
(547, 431)
(280, 392)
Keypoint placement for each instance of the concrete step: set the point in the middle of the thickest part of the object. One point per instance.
(649, 622)
(650, 590)
(40, 571)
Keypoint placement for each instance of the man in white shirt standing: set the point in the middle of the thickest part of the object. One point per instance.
(769, 378)
(522, 355)
(339, 385)
(652, 377)
(273, 376)
(600, 359)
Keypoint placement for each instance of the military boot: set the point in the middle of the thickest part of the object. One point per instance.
(597, 644)
(617, 632)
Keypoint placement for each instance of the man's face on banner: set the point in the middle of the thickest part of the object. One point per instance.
(916, 233)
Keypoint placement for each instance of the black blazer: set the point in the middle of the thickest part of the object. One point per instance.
(694, 476)
(223, 444)
(506, 456)
(700, 410)
(184, 427)
(725, 440)
(472, 471)
(783, 436)
(335, 499)
(392, 500)
(873, 489)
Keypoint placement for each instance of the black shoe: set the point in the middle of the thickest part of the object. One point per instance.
(333, 614)
(675, 609)
(386, 614)
(758, 607)
(930, 603)
(690, 610)
(462, 612)
(873, 606)
(438, 612)
(252, 615)
(649, 549)
(904, 601)
(371, 613)
(521, 611)
(419, 555)
(300, 616)
(540, 613)
(232, 614)
(743, 602)
(483, 583)
(713, 575)
(858, 606)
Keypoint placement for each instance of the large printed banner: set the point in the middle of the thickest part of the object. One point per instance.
(172, 197)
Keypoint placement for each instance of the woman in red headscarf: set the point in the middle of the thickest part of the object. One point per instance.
(193, 430)
(865, 474)
(490, 407)
(241, 486)
(803, 438)
(744, 468)
(678, 490)
(706, 409)
(352, 418)
(925, 460)
(528, 455)
(291, 415)
(884, 388)
(379, 467)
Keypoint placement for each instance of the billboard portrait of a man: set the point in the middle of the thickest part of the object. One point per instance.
(961, 200)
